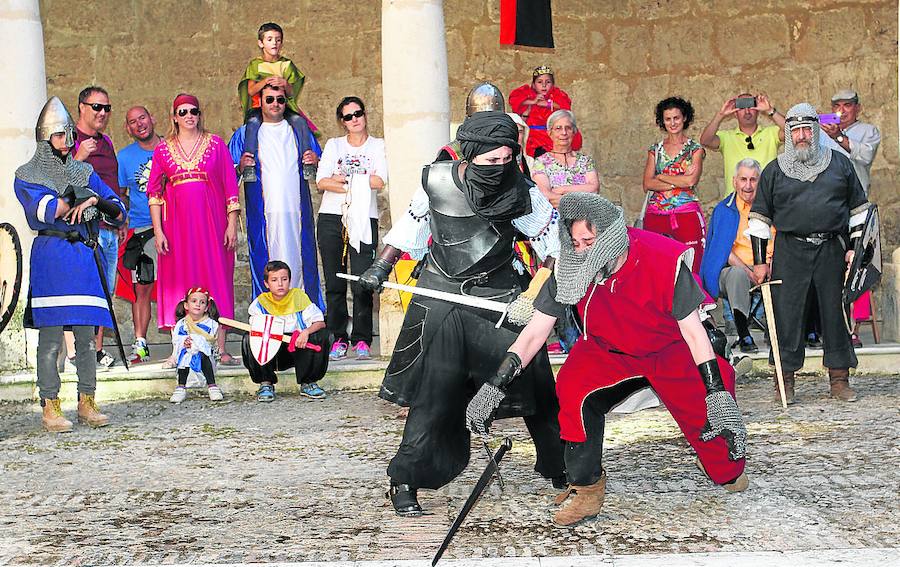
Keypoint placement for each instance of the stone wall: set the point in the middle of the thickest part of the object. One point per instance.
(616, 60)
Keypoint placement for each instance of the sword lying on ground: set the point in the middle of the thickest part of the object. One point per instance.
(467, 300)
(241, 326)
(482, 483)
(766, 289)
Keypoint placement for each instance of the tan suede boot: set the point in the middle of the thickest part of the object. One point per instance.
(586, 504)
(89, 413)
(840, 384)
(788, 388)
(53, 419)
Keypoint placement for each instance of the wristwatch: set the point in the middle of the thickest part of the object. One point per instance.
(840, 137)
(772, 112)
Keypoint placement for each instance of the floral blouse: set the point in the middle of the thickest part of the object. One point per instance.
(677, 165)
(560, 174)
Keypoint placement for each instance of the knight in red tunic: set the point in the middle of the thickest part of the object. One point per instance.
(638, 304)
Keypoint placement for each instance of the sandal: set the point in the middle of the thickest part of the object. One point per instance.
(225, 359)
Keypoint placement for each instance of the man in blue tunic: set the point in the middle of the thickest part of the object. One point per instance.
(63, 200)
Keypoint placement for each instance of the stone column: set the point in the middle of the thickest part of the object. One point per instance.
(416, 112)
(21, 57)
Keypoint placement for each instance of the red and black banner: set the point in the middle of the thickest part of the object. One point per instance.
(526, 22)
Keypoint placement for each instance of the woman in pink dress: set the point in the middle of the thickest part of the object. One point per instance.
(193, 197)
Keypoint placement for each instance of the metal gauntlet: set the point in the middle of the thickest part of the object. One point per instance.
(380, 269)
(759, 249)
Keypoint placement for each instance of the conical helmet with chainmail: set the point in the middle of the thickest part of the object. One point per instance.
(575, 271)
(48, 167)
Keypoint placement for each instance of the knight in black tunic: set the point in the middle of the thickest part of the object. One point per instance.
(814, 199)
(469, 211)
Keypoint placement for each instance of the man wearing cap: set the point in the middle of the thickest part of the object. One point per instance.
(814, 197)
(63, 200)
(465, 217)
(639, 306)
(857, 140)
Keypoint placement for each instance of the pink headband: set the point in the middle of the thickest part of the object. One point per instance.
(185, 99)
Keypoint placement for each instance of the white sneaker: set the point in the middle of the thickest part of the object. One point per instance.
(179, 395)
(215, 394)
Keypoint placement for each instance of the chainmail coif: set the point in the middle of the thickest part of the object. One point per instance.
(45, 168)
(820, 156)
(575, 271)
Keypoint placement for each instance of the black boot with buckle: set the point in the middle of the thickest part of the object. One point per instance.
(404, 499)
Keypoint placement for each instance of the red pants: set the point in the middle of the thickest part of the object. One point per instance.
(688, 227)
(590, 369)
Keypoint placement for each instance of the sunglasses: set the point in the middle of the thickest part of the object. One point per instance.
(358, 114)
(749, 141)
(184, 111)
(97, 107)
(279, 99)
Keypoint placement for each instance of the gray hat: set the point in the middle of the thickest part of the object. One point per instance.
(845, 94)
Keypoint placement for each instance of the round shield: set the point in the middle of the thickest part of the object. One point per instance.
(10, 272)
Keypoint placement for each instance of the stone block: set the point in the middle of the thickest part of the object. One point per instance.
(889, 300)
(673, 10)
(824, 35)
(753, 39)
(628, 49)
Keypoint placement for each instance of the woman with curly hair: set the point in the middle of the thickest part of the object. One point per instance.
(674, 165)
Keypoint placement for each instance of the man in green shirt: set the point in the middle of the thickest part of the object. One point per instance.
(748, 139)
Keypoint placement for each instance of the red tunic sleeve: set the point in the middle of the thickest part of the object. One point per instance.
(519, 96)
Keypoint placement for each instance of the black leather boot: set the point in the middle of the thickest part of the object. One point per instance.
(404, 499)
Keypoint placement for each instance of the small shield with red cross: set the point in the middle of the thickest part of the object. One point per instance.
(266, 332)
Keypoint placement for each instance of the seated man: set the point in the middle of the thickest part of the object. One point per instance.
(727, 267)
(304, 320)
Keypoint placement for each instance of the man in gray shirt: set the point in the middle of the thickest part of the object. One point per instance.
(855, 139)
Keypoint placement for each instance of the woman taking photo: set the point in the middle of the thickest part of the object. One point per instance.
(193, 196)
(674, 165)
(563, 170)
(352, 170)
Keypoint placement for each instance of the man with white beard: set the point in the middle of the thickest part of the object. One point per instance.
(813, 196)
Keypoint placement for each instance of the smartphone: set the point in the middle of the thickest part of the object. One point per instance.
(830, 118)
(745, 102)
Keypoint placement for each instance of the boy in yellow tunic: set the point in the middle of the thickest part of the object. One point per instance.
(304, 321)
(272, 68)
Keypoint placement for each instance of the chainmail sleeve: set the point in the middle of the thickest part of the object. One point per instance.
(412, 231)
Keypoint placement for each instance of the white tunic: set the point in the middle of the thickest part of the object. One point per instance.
(278, 157)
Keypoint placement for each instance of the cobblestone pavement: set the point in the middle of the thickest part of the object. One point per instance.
(300, 480)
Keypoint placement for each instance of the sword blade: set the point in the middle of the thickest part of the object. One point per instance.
(469, 300)
(109, 303)
(482, 483)
(766, 288)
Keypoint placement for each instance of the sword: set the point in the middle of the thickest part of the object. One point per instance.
(766, 289)
(94, 245)
(241, 326)
(482, 483)
(467, 300)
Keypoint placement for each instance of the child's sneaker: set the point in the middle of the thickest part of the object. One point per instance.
(266, 393)
(140, 352)
(362, 351)
(339, 349)
(178, 395)
(215, 394)
(312, 390)
(104, 359)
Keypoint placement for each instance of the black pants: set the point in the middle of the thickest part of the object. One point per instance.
(584, 464)
(807, 268)
(309, 365)
(330, 234)
(205, 368)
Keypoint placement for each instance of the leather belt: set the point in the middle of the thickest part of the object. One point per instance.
(815, 238)
(67, 235)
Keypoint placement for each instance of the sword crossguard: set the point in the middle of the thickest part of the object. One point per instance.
(766, 283)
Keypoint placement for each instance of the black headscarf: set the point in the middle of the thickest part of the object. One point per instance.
(496, 192)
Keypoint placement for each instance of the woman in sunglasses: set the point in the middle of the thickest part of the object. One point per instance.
(194, 207)
(674, 165)
(352, 170)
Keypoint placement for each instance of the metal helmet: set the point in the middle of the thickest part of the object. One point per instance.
(484, 96)
(54, 118)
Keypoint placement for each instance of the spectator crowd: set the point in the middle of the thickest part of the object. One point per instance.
(175, 243)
